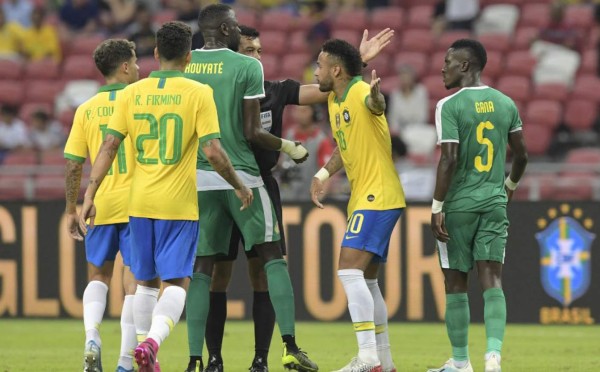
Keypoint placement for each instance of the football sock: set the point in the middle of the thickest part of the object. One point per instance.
(494, 316)
(94, 304)
(381, 326)
(362, 312)
(457, 325)
(144, 301)
(128, 337)
(264, 323)
(167, 313)
(282, 295)
(197, 308)
(215, 323)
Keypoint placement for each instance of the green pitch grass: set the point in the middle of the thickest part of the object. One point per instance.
(57, 345)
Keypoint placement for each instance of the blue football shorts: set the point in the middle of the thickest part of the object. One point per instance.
(370, 230)
(102, 243)
(162, 248)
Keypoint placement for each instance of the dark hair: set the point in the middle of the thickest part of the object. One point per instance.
(248, 31)
(475, 49)
(41, 114)
(346, 53)
(9, 110)
(174, 40)
(212, 16)
(111, 53)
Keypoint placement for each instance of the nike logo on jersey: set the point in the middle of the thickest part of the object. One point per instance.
(351, 237)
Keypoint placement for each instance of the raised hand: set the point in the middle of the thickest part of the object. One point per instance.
(370, 48)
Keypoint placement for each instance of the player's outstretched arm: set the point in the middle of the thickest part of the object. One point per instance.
(254, 133)
(445, 172)
(370, 48)
(73, 171)
(317, 185)
(376, 100)
(519, 163)
(104, 160)
(219, 160)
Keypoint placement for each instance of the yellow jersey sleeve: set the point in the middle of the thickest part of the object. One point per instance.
(117, 125)
(76, 147)
(207, 125)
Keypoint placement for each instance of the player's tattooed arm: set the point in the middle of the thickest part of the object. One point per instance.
(335, 162)
(73, 172)
(218, 159)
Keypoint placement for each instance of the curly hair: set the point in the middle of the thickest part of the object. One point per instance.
(348, 55)
(111, 53)
(174, 40)
(476, 51)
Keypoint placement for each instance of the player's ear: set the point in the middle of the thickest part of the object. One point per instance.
(464, 66)
(156, 56)
(188, 57)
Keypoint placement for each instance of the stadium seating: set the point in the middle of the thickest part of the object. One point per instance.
(45, 69)
(497, 18)
(14, 187)
(587, 87)
(381, 64)
(293, 65)
(516, 87)
(581, 16)
(589, 62)
(12, 92)
(356, 19)
(164, 15)
(534, 15)
(78, 67)
(447, 38)
(538, 138)
(494, 66)
(247, 18)
(384, 17)
(42, 91)
(580, 114)
(417, 40)
(84, 45)
(496, 42)
(420, 16)
(27, 109)
(274, 42)
(351, 36)
(147, 65)
(418, 61)
(523, 38)
(544, 112)
(298, 43)
(10, 70)
(270, 64)
(520, 63)
(551, 91)
(276, 20)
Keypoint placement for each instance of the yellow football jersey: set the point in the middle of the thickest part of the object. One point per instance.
(366, 150)
(165, 115)
(89, 126)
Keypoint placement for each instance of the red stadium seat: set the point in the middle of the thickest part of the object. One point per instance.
(20, 158)
(29, 108)
(582, 162)
(10, 70)
(516, 87)
(573, 187)
(49, 187)
(66, 118)
(84, 45)
(298, 43)
(270, 64)
(247, 18)
(552, 91)
(356, 19)
(495, 42)
(538, 138)
(351, 36)
(384, 17)
(436, 63)
(293, 65)
(164, 16)
(418, 61)
(411, 3)
(274, 42)
(44, 91)
(523, 38)
(276, 20)
(520, 63)
(13, 187)
(435, 87)
(381, 64)
(587, 87)
(417, 41)
(580, 16)
(544, 112)
(302, 23)
(79, 67)
(447, 38)
(147, 65)
(580, 114)
(589, 62)
(12, 92)
(534, 15)
(389, 84)
(44, 69)
(420, 16)
(53, 157)
(494, 66)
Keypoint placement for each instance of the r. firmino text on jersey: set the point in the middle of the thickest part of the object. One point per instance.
(484, 107)
(157, 99)
(204, 68)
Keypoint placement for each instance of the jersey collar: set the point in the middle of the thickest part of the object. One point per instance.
(111, 87)
(166, 74)
(354, 80)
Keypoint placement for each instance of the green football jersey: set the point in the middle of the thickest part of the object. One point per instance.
(233, 78)
(479, 119)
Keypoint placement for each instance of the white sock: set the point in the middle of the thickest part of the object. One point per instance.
(144, 302)
(94, 303)
(128, 337)
(381, 326)
(460, 363)
(361, 306)
(167, 313)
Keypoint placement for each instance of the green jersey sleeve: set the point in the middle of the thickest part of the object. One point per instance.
(446, 121)
(516, 123)
(255, 80)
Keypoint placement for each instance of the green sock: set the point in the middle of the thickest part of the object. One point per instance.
(494, 316)
(196, 311)
(282, 295)
(457, 324)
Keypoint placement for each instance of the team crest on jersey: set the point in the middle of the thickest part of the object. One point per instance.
(565, 251)
(346, 115)
(337, 121)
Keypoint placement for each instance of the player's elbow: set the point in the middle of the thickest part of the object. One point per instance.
(252, 135)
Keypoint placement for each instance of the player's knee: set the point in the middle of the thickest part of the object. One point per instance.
(258, 278)
(100, 277)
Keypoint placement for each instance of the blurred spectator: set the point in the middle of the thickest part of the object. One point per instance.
(116, 15)
(558, 31)
(41, 41)
(45, 133)
(13, 132)
(10, 35)
(372, 4)
(320, 31)
(18, 11)
(408, 103)
(187, 11)
(142, 32)
(79, 16)
(318, 144)
(454, 15)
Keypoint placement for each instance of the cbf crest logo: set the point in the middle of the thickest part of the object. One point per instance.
(346, 115)
(565, 250)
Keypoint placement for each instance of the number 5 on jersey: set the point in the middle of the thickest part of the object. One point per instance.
(479, 165)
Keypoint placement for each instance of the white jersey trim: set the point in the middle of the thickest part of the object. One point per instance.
(438, 112)
(211, 180)
(516, 129)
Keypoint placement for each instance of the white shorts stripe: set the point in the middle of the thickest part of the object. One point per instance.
(267, 211)
(443, 249)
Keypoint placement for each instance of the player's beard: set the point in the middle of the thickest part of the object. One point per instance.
(325, 86)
